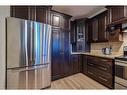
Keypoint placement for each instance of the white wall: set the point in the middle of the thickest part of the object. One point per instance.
(4, 12)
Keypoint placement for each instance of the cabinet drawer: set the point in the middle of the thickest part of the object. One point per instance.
(98, 59)
(106, 80)
(99, 72)
(105, 61)
(91, 73)
(105, 68)
(100, 76)
(91, 59)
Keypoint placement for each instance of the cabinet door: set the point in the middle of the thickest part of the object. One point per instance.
(75, 64)
(42, 14)
(32, 13)
(84, 64)
(73, 33)
(66, 53)
(60, 20)
(55, 20)
(19, 12)
(65, 22)
(62, 52)
(89, 31)
(80, 31)
(102, 21)
(82, 35)
(117, 12)
(24, 12)
(35, 13)
(95, 29)
(56, 61)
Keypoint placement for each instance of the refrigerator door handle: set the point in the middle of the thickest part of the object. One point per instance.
(26, 52)
(28, 69)
(32, 43)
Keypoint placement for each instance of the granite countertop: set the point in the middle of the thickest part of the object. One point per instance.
(112, 56)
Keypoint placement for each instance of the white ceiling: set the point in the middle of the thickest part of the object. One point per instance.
(79, 11)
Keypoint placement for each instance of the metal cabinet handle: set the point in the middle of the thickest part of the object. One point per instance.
(90, 73)
(91, 64)
(103, 60)
(103, 78)
(103, 68)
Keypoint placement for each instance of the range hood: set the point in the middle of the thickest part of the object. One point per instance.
(112, 28)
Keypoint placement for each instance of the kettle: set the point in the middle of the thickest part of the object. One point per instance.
(106, 51)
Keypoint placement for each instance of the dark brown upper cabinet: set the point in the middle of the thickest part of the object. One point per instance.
(96, 28)
(35, 13)
(19, 12)
(102, 22)
(55, 20)
(117, 14)
(60, 20)
(89, 30)
(79, 35)
(43, 14)
(73, 32)
(31, 13)
(66, 22)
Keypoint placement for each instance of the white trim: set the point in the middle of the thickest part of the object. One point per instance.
(102, 10)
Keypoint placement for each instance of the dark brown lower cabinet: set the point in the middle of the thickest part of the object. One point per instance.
(101, 70)
(84, 64)
(75, 63)
(97, 68)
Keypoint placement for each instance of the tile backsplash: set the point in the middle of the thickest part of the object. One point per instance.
(117, 47)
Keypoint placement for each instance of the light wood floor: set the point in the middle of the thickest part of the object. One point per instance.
(77, 81)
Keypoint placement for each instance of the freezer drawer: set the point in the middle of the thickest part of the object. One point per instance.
(29, 78)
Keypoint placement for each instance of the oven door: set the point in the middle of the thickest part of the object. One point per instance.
(120, 75)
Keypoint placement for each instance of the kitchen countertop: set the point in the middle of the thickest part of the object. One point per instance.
(112, 56)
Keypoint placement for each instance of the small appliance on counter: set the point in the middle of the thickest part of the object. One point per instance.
(107, 50)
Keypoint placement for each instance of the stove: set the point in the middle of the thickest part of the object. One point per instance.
(122, 58)
(121, 72)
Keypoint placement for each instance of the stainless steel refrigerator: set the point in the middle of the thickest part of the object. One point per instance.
(28, 57)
